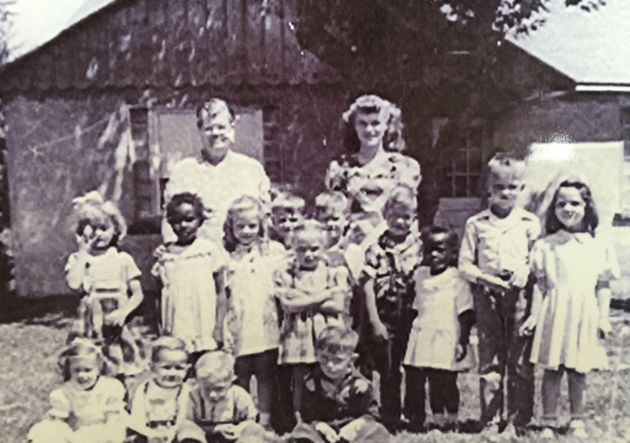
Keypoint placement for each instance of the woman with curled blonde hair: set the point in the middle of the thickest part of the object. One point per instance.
(374, 163)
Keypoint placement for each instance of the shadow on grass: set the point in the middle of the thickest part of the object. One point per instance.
(55, 311)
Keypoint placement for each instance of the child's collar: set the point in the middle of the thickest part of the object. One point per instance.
(581, 237)
(388, 241)
(351, 370)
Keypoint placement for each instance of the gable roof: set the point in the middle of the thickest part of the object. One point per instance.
(87, 8)
(591, 48)
(170, 44)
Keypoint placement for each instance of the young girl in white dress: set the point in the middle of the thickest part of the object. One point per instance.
(89, 406)
(572, 269)
(438, 341)
(252, 318)
(191, 271)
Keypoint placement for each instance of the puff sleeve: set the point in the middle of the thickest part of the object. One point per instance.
(610, 264)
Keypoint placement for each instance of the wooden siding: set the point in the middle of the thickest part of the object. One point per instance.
(172, 43)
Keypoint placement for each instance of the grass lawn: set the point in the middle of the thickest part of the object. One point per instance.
(30, 343)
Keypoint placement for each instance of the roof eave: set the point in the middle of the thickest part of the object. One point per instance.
(603, 87)
(27, 54)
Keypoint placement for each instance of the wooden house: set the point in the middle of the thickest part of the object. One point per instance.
(108, 104)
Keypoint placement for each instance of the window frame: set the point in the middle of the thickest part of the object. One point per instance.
(147, 182)
(472, 177)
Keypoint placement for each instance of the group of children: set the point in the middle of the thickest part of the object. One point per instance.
(312, 304)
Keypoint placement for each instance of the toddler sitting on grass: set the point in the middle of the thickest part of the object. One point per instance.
(89, 406)
(219, 410)
(158, 407)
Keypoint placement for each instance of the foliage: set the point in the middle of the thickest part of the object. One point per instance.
(385, 34)
(5, 28)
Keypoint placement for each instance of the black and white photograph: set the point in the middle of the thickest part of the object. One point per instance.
(324, 221)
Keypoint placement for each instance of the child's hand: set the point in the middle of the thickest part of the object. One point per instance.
(160, 251)
(327, 432)
(227, 430)
(117, 317)
(349, 432)
(86, 240)
(460, 352)
(493, 283)
(604, 328)
(527, 328)
(380, 330)
(361, 386)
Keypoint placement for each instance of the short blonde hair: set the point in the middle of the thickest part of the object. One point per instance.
(91, 208)
(287, 201)
(78, 348)
(166, 343)
(309, 226)
(402, 195)
(332, 200)
(215, 365)
(503, 165)
(242, 204)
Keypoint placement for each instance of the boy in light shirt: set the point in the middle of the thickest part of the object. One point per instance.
(494, 258)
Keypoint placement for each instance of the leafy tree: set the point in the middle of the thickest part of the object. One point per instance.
(434, 57)
(6, 262)
(5, 28)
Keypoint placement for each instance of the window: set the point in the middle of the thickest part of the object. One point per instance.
(163, 136)
(463, 175)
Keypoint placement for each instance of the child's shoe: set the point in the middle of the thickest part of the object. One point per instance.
(415, 426)
(450, 423)
(577, 429)
(509, 431)
(493, 426)
(547, 434)
(438, 421)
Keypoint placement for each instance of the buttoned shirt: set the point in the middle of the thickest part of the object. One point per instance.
(492, 244)
(218, 186)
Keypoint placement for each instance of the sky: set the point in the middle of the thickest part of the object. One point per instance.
(37, 21)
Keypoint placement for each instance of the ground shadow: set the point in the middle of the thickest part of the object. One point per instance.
(57, 311)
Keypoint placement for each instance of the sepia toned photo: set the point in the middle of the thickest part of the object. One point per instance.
(314, 221)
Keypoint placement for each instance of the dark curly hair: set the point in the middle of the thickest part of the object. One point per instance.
(185, 197)
(452, 241)
(591, 219)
